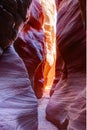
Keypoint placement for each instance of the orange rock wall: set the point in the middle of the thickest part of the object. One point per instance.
(49, 25)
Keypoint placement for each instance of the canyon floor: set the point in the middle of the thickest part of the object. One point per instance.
(43, 123)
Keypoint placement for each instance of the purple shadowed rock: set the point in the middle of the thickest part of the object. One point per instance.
(18, 104)
(67, 106)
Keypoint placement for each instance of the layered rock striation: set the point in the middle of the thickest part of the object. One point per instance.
(30, 47)
(18, 104)
(67, 106)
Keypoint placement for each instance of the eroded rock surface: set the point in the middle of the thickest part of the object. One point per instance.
(18, 104)
(30, 46)
(59, 71)
(49, 12)
(67, 106)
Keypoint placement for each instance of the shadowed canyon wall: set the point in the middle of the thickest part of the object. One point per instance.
(36, 44)
(67, 105)
(18, 104)
(44, 50)
(30, 45)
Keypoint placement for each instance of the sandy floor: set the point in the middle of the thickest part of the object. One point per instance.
(43, 123)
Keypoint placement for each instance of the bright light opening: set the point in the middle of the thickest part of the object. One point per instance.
(49, 27)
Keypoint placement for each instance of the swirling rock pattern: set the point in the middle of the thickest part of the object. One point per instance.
(59, 71)
(18, 105)
(30, 45)
(67, 105)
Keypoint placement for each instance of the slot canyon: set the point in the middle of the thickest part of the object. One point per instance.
(42, 64)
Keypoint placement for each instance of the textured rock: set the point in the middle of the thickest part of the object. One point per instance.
(36, 15)
(18, 105)
(49, 12)
(83, 8)
(60, 72)
(59, 63)
(39, 80)
(12, 15)
(30, 45)
(67, 105)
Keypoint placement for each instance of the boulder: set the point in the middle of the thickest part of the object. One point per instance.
(67, 106)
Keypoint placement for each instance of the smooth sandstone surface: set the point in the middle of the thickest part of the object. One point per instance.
(30, 45)
(18, 104)
(67, 106)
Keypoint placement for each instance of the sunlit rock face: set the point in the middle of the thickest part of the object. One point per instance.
(67, 105)
(36, 44)
(49, 27)
(30, 46)
(18, 104)
(60, 69)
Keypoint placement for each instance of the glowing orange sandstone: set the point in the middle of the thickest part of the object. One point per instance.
(49, 27)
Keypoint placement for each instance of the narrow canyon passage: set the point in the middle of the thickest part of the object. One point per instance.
(43, 124)
(42, 65)
(49, 27)
(64, 109)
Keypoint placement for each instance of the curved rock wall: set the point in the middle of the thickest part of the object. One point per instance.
(83, 8)
(30, 45)
(49, 25)
(18, 104)
(59, 65)
(36, 45)
(67, 106)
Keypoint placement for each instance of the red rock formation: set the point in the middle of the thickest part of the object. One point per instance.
(59, 68)
(36, 15)
(67, 105)
(83, 8)
(30, 46)
(49, 12)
